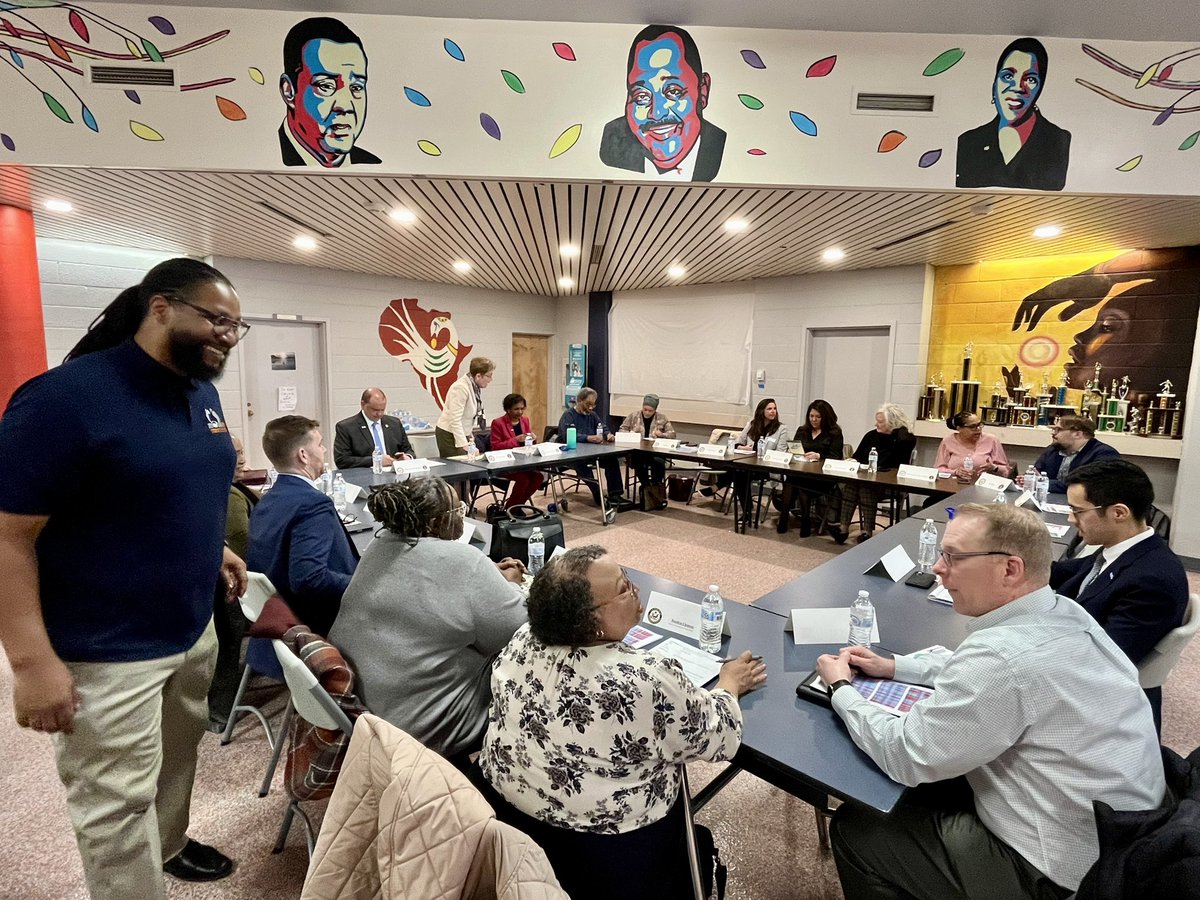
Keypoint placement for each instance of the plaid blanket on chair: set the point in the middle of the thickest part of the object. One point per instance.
(315, 754)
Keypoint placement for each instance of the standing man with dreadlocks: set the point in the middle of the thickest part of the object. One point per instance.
(107, 616)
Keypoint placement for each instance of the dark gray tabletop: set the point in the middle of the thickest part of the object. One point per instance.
(795, 744)
(975, 494)
(451, 470)
(584, 454)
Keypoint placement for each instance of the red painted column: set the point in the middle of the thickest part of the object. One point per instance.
(22, 332)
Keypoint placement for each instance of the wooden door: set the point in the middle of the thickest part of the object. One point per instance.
(531, 376)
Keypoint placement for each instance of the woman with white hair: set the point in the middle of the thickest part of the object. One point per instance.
(892, 437)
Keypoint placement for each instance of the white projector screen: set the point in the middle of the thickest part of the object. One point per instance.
(695, 346)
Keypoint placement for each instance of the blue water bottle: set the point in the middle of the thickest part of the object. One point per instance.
(571, 437)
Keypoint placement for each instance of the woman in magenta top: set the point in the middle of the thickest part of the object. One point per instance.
(508, 431)
(968, 439)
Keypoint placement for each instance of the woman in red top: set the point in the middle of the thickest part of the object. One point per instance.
(509, 431)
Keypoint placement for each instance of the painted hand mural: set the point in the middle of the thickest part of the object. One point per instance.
(1020, 147)
(324, 85)
(663, 131)
(425, 339)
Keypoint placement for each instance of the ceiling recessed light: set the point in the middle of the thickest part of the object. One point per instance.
(566, 281)
(305, 242)
(461, 265)
(1047, 231)
(402, 215)
(676, 271)
(58, 206)
(569, 251)
(833, 254)
(736, 226)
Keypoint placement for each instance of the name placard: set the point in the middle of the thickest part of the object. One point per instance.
(499, 455)
(665, 443)
(778, 457)
(917, 473)
(715, 451)
(840, 466)
(991, 482)
(675, 614)
(627, 438)
(549, 449)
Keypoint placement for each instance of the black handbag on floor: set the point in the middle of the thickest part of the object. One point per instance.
(511, 529)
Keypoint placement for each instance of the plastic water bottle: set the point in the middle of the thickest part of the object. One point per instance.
(762, 447)
(327, 481)
(1043, 487)
(862, 620)
(377, 462)
(272, 477)
(1000, 498)
(873, 461)
(536, 552)
(968, 465)
(712, 620)
(572, 438)
(339, 493)
(730, 444)
(1031, 478)
(472, 450)
(600, 432)
(528, 439)
(927, 549)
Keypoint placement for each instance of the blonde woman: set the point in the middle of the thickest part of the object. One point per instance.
(892, 437)
(462, 415)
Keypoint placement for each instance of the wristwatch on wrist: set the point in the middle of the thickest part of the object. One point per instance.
(841, 682)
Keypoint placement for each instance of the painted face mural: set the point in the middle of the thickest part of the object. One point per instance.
(665, 99)
(663, 131)
(427, 340)
(325, 88)
(1018, 83)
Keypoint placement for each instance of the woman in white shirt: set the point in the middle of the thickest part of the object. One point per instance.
(462, 414)
(585, 734)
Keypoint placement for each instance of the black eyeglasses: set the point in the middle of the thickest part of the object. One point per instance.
(220, 324)
(948, 558)
(1077, 511)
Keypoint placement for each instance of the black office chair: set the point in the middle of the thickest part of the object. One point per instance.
(496, 486)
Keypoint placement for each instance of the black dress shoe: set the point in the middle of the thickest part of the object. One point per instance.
(620, 503)
(839, 536)
(198, 862)
(782, 526)
(805, 527)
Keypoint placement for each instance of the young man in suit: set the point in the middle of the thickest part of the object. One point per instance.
(357, 437)
(1134, 586)
(296, 536)
(1073, 445)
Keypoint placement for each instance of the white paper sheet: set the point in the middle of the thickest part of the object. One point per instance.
(468, 530)
(698, 666)
(1057, 530)
(639, 637)
(826, 626)
(941, 595)
(897, 562)
(1060, 508)
(352, 492)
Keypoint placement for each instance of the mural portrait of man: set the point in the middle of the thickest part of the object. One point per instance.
(1019, 147)
(324, 84)
(1145, 305)
(663, 131)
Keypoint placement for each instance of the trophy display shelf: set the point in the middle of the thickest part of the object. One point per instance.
(1126, 444)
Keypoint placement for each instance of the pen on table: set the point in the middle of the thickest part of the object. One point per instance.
(732, 658)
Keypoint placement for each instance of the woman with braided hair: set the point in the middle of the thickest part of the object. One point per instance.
(425, 615)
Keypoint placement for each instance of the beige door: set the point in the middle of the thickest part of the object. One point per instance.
(531, 375)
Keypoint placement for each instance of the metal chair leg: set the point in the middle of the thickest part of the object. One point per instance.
(277, 749)
(227, 735)
(822, 830)
(285, 827)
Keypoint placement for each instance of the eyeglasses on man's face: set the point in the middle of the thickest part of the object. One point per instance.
(948, 558)
(1077, 511)
(221, 325)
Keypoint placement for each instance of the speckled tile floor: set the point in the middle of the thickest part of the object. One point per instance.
(767, 838)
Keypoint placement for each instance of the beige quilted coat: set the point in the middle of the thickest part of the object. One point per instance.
(404, 823)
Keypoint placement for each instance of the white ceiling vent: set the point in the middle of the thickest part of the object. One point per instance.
(139, 77)
(907, 104)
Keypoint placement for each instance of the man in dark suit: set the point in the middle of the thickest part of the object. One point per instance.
(1133, 585)
(1074, 445)
(296, 536)
(663, 130)
(359, 436)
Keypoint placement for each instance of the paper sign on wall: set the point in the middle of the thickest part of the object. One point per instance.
(287, 398)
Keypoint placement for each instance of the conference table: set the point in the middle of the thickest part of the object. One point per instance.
(974, 494)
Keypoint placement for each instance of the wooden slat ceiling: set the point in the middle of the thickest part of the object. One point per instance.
(628, 235)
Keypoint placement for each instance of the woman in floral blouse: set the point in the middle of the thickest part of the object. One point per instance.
(585, 734)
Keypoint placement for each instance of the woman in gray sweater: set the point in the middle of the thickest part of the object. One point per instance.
(423, 617)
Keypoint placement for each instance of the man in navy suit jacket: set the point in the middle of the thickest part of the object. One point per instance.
(1137, 590)
(1074, 445)
(296, 536)
(355, 438)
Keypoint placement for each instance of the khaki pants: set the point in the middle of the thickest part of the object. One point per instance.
(129, 766)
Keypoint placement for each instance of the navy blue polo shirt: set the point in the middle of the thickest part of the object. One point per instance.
(132, 465)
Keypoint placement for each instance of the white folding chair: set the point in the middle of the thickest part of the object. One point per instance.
(258, 590)
(314, 705)
(1154, 669)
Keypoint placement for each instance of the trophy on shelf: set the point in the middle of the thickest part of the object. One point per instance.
(932, 404)
(1115, 414)
(964, 393)
(996, 413)
(1058, 406)
(1164, 418)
